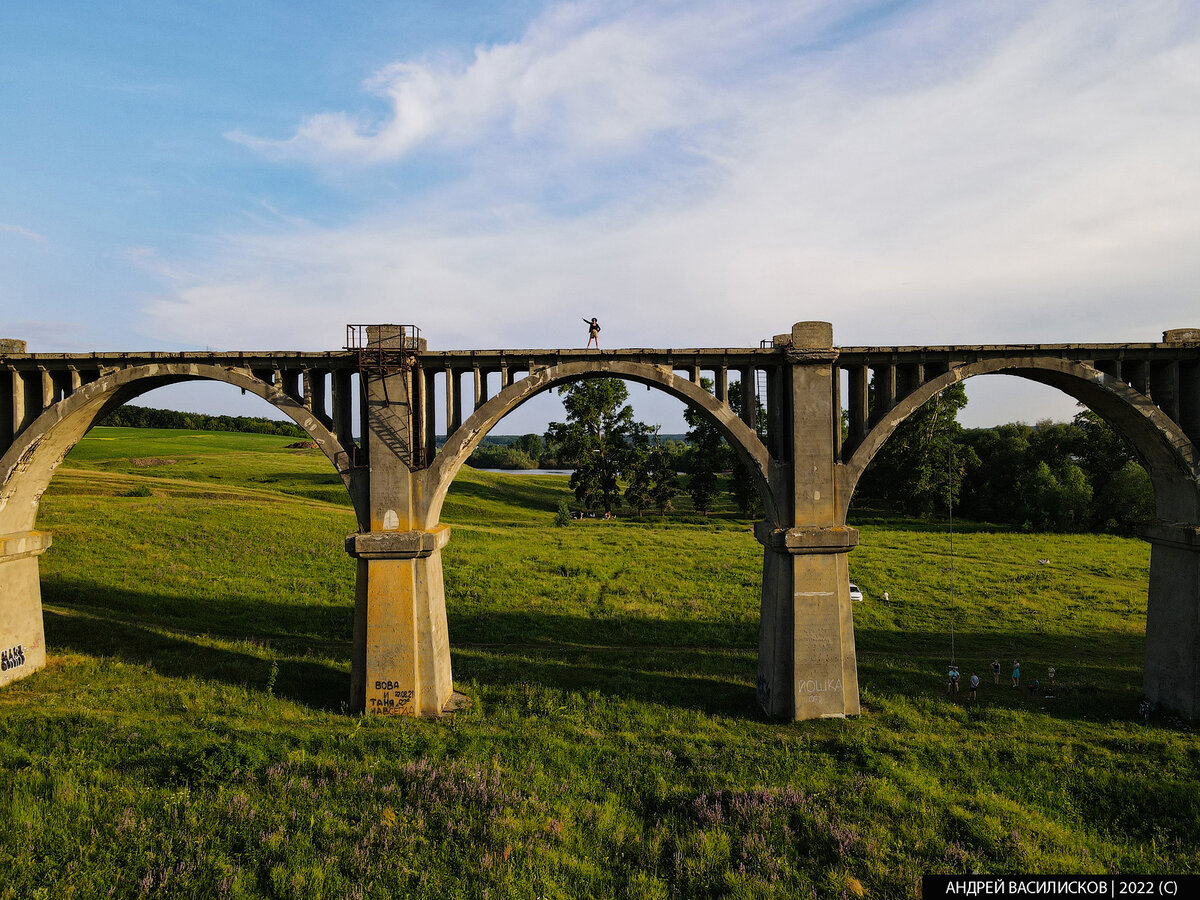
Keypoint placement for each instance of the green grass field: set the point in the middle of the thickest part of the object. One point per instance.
(187, 738)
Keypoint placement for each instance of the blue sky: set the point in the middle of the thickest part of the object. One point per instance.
(255, 175)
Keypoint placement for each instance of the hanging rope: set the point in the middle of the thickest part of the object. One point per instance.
(950, 511)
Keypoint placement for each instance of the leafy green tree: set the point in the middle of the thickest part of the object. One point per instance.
(663, 466)
(595, 440)
(1126, 500)
(639, 493)
(911, 471)
(708, 455)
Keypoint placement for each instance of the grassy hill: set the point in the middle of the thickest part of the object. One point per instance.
(187, 738)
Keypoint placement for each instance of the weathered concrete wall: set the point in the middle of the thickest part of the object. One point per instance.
(22, 639)
(1172, 677)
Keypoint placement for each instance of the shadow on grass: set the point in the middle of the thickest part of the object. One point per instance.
(312, 683)
(699, 665)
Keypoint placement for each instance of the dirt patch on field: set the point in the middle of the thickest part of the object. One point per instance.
(149, 462)
(302, 445)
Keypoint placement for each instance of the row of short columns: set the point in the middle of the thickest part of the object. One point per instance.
(26, 393)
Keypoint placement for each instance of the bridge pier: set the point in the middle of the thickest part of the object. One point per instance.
(1172, 678)
(23, 647)
(400, 663)
(807, 668)
(807, 663)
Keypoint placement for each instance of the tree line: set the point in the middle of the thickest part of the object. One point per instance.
(146, 417)
(1051, 476)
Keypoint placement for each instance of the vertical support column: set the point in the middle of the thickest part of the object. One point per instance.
(400, 664)
(343, 408)
(316, 395)
(430, 416)
(401, 658)
(749, 396)
(416, 396)
(47, 389)
(883, 380)
(22, 638)
(694, 375)
(454, 407)
(1164, 387)
(721, 388)
(858, 406)
(1136, 373)
(8, 422)
(1189, 399)
(1172, 678)
(807, 663)
(18, 402)
(76, 378)
(837, 412)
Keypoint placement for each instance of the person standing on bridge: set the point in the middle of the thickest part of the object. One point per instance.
(593, 333)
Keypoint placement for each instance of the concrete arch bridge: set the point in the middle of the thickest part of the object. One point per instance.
(388, 388)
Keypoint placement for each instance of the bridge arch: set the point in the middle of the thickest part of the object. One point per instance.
(466, 438)
(27, 467)
(1171, 459)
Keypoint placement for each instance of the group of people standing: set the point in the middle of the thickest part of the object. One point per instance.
(973, 682)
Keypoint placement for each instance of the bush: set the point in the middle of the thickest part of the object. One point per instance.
(562, 517)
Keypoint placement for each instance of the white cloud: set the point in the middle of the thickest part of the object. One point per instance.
(695, 174)
(23, 232)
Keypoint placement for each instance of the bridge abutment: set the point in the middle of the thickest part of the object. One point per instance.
(1172, 678)
(23, 645)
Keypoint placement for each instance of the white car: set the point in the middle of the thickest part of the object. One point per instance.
(855, 593)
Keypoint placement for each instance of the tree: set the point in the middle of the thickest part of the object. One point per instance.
(706, 457)
(909, 473)
(741, 483)
(595, 440)
(1126, 500)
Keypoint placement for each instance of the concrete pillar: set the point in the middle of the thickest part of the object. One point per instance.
(316, 395)
(47, 386)
(24, 649)
(858, 405)
(1172, 678)
(7, 431)
(807, 667)
(883, 380)
(18, 402)
(721, 386)
(453, 409)
(807, 663)
(749, 395)
(430, 416)
(1164, 387)
(343, 408)
(480, 387)
(1189, 399)
(400, 664)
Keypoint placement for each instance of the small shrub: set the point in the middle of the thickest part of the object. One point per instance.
(140, 491)
(562, 518)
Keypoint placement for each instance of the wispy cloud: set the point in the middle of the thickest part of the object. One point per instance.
(23, 232)
(694, 173)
